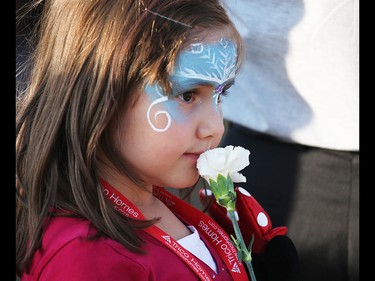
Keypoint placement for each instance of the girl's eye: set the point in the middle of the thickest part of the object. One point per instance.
(186, 97)
(221, 95)
(222, 90)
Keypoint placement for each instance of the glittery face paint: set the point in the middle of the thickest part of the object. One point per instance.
(201, 64)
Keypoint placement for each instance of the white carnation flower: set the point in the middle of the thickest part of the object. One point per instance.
(225, 161)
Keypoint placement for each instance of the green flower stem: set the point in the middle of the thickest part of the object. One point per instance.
(245, 254)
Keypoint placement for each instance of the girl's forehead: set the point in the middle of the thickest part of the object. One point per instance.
(205, 62)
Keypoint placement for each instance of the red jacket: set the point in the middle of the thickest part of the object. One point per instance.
(66, 255)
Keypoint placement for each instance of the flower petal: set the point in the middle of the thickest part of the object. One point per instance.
(237, 177)
(225, 161)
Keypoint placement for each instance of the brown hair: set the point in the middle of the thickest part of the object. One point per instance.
(89, 57)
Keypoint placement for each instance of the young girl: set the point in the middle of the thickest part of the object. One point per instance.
(122, 98)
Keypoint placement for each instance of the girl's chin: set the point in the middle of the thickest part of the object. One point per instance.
(186, 183)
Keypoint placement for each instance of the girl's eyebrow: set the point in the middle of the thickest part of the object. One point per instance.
(189, 84)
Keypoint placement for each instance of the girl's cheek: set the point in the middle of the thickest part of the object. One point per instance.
(157, 116)
(159, 119)
(162, 113)
(178, 115)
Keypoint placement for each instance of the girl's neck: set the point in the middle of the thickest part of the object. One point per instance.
(150, 206)
(139, 196)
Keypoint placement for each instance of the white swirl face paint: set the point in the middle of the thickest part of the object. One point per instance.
(201, 64)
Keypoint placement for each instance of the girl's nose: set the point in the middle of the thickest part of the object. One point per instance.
(211, 123)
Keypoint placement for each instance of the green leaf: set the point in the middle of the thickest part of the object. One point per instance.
(222, 183)
(215, 188)
(230, 185)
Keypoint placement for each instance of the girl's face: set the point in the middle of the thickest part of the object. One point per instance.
(161, 136)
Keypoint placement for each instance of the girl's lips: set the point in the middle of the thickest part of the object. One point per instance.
(192, 156)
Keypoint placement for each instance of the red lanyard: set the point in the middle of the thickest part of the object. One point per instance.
(205, 225)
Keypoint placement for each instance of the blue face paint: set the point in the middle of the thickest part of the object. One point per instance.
(211, 64)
